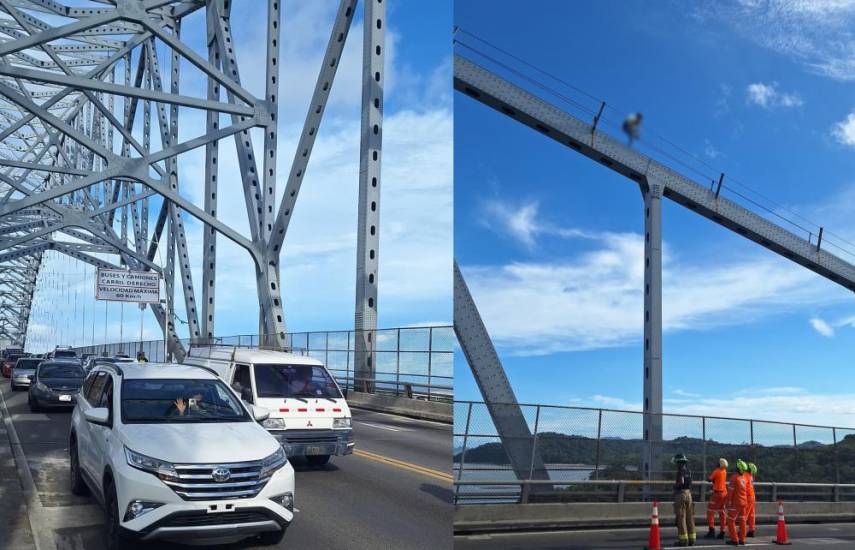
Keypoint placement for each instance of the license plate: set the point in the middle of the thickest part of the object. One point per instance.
(314, 451)
(65, 398)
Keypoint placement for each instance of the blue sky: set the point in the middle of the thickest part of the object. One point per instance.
(319, 255)
(550, 243)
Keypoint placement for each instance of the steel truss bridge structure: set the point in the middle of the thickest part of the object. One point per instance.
(89, 150)
(655, 181)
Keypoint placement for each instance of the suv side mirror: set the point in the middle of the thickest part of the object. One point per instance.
(260, 414)
(98, 415)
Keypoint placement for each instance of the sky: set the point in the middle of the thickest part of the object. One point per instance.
(550, 243)
(318, 262)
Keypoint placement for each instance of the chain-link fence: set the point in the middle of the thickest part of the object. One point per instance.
(580, 444)
(408, 361)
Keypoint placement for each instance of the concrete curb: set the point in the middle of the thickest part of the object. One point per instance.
(471, 519)
(404, 406)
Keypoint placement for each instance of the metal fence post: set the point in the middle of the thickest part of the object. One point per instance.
(704, 452)
(836, 463)
(398, 365)
(534, 442)
(599, 439)
(524, 492)
(463, 450)
(795, 449)
(430, 357)
(751, 431)
(347, 366)
(327, 349)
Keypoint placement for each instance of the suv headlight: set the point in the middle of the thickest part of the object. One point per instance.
(274, 424)
(40, 386)
(273, 463)
(162, 469)
(341, 423)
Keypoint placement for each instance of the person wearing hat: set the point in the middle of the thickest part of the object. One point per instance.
(718, 500)
(752, 501)
(737, 507)
(684, 509)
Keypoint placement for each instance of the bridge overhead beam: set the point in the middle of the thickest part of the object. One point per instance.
(498, 93)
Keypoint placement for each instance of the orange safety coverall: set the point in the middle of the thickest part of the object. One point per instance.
(737, 508)
(718, 498)
(752, 501)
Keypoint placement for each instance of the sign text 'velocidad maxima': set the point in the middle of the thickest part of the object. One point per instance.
(118, 285)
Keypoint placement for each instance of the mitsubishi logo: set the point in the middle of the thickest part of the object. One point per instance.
(309, 424)
(221, 474)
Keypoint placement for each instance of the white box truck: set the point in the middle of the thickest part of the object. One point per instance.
(309, 415)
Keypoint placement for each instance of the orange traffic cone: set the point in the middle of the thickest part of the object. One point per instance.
(782, 526)
(653, 542)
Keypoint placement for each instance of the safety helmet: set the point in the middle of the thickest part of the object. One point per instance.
(723, 463)
(678, 458)
(741, 466)
(752, 468)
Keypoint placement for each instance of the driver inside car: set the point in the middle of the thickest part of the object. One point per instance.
(192, 406)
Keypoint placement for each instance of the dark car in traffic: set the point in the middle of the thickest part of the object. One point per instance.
(56, 384)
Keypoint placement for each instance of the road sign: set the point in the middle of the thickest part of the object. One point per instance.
(117, 285)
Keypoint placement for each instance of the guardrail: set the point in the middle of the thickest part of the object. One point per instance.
(414, 361)
(619, 491)
(584, 443)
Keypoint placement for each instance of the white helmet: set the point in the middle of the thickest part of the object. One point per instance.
(722, 462)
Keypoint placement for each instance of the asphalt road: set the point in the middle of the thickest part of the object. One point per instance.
(834, 535)
(394, 492)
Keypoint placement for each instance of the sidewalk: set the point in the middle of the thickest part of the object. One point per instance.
(15, 531)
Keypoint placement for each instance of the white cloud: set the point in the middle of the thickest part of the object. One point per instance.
(822, 327)
(777, 404)
(710, 150)
(767, 96)
(522, 222)
(815, 34)
(844, 131)
(594, 299)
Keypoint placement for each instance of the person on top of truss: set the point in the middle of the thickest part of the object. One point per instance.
(632, 127)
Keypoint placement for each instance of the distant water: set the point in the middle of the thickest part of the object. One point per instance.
(507, 493)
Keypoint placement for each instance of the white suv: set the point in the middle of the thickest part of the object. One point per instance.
(172, 454)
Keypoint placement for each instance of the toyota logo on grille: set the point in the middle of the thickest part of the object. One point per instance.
(221, 474)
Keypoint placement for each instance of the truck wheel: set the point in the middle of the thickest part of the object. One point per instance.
(318, 460)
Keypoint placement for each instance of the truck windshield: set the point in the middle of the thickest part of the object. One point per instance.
(294, 381)
(64, 353)
(150, 401)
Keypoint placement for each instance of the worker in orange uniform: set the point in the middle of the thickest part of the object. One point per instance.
(737, 504)
(718, 499)
(752, 501)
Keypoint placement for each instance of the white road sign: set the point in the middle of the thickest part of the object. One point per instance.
(117, 285)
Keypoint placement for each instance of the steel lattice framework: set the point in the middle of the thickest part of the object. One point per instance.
(89, 143)
(656, 181)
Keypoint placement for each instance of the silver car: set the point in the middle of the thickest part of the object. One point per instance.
(23, 372)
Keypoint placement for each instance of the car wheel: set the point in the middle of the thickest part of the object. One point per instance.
(78, 486)
(34, 405)
(114, 537)
(272, 538)
(14, 386)
(318, 460)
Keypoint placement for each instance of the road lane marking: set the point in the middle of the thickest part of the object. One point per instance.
(383, 427)
(404, 465)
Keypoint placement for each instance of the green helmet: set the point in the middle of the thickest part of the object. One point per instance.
(752, 468)
(741, 466)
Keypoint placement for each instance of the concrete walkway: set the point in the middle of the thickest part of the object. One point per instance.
(15, 533)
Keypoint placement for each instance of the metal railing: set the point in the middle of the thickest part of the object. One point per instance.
(581, 444)
(410, 361)
(619, 491)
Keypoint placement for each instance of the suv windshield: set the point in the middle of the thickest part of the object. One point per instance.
(64, 353)
(27, 363)
(295, 381)
(175, 400)
(60, 370)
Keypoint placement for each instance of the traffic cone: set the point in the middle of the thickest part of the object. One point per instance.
(782, 526)
(653, 542)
